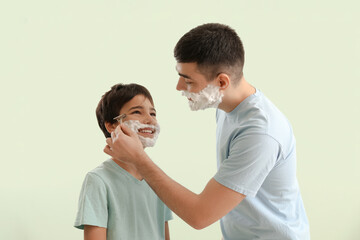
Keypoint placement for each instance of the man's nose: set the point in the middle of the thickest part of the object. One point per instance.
(181, 84)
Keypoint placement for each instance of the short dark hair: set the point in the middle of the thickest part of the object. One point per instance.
(114, 99)
(214, 47)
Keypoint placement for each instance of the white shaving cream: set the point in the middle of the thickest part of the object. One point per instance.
(209, 97)
(135, 125)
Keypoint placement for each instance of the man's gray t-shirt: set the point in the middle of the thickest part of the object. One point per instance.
(257, 157)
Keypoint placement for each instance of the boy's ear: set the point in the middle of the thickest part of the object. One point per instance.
(110, 127)
(224, 80)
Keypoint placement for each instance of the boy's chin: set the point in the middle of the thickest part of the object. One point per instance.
(147, 142)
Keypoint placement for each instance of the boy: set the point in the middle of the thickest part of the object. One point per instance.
(115, 201)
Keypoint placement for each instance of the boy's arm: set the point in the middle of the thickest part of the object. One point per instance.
(94, 233)
(167, 233)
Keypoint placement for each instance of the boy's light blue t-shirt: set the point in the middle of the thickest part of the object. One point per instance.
(112, 198)
(257, 157)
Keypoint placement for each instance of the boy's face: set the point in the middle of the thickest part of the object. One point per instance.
(140, 108)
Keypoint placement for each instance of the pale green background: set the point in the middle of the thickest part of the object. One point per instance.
(58, 57)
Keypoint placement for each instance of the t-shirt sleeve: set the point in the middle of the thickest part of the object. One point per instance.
(249, 161)
(168, 214)
(92, 209)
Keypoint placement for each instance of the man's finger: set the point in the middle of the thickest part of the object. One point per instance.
(113, 135)
(117, 130)
(109, 142)
(108, 151)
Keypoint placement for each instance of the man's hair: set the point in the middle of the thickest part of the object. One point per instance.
(216, 48)
(114, 99)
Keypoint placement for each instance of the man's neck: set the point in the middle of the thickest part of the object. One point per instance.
(234, 95)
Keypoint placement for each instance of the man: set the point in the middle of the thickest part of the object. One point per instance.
(254, 192)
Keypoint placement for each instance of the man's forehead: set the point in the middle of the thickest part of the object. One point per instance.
(179, 67)
(187, 68)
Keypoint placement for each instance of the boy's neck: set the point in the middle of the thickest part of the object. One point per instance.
(130, 169)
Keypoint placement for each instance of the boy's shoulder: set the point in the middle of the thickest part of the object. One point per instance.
(103, 170)
(108, 171)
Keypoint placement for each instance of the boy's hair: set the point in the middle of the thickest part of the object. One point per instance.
(216, 48)
(114, 99)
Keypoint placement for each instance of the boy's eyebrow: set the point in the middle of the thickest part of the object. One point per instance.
(135, 107)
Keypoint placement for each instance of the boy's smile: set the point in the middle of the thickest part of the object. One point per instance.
(147, 132)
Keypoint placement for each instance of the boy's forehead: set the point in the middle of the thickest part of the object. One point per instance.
(138, 102)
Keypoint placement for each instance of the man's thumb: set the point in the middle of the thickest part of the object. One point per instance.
(126, 130)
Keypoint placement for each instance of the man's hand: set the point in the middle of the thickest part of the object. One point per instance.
(124, 145)
(198, 210)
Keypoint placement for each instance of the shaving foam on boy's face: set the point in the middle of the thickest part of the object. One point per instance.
(151, 130)
(209, 97)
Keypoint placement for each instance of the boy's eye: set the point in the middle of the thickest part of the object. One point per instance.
(153, 114)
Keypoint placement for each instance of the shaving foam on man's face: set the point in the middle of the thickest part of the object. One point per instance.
(209, 97)
(147, 134)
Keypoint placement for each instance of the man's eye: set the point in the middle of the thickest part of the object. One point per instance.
(136, 112)
(153, 114)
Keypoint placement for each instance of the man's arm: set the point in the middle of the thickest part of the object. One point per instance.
(94, 233)
(198, 210)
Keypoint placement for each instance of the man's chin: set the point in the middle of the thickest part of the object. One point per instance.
(194, 107)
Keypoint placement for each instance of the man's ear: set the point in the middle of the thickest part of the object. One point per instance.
(223, 80)
(110, 127)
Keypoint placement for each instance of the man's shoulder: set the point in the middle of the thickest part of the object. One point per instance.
(258, 115)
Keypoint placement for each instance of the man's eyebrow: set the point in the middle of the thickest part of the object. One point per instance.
(184, 76)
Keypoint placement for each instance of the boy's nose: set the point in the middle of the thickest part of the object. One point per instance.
(149, 120)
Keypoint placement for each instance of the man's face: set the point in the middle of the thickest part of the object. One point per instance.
(190, 79)
(201, 93)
